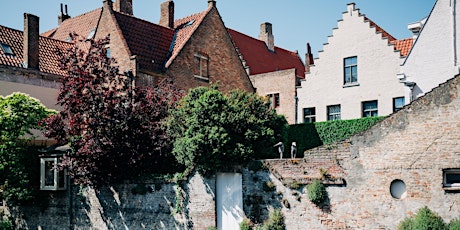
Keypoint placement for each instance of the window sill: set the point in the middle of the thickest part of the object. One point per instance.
(201, 78)
(451, 189)
(353, 84)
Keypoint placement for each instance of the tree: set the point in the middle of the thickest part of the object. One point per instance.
(115, 129)
(211, 130)
(19, 114)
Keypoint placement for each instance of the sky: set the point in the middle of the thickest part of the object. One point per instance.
(295, 22)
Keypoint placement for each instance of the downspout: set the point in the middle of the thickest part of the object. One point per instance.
(454, 23)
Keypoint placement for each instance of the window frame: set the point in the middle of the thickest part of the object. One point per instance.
(58, 175)
(336, 115)
(349, 68)
(364, 110)
(201, 70)
(395, 108)
(311, 117)
(7, 50)
(450, 186)
(274, 100)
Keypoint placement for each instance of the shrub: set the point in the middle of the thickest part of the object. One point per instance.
(275, 221)
(425, 219)
(316, 192)
(294, 185)
(268, 186)
(246, 224)
(6, 224)
(454, 224)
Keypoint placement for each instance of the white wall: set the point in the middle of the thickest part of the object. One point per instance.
(378, 65)
(434, 57)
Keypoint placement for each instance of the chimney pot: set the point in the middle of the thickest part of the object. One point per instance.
(211, 3)
(124, 6)
(31, 45)
(167, 14)
(266, 35)
(63, 15)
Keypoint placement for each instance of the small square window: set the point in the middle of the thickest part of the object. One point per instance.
(350, 70)
(370, 109)
(333, 112)
(274, 100)
(309, 115)
(398, 104)
(7, 49)
(201, 67)
(51, 178)
(451, 179)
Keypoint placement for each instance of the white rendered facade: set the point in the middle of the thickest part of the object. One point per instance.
(434, 57)
(377, 66)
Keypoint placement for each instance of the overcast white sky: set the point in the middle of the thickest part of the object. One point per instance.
(295, 22)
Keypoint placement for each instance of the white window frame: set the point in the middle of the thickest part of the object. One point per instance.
(203, 74)
(349, 69)
(274, 100)
(448, 186)
(336, 115)
(309, 117)
(56, 174)
(376, 109)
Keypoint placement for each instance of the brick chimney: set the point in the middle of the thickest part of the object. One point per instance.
(211, 3)
(308, 59)
(63, 15)
(124, 6)
(167, 14)
(266, 35)
(31, 34)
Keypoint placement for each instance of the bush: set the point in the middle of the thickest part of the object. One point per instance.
(316, 192)
(5, 224)
(454, 224)
(425, 219)
(275, 221)
(246, 224)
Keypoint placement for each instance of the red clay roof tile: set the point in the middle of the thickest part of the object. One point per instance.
(404, 46)
(261, 60)
(81, 25)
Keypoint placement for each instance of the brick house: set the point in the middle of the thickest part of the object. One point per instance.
(194, 51)
(355, 75)
(436, 36)
(274, 71)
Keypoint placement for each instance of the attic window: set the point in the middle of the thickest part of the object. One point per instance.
(68, 39)
(451, 179)
(189, 23)
(91, 34)
(201, 67)
(7, 49)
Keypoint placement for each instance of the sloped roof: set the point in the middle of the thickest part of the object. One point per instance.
(404, 46)
(150, 42)
(261, 60)
(48, 59)
(81, 25)
(185, 27)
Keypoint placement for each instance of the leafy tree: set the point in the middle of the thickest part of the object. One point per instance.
(275, 221)
(114, 128)
(211, 130)
(425, 219)
(19, 113)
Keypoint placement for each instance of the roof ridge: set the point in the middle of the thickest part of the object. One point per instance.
(139, 19)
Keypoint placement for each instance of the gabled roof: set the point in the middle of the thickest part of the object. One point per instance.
(404, 46)
(48, 59)
(148, 41)
(261, 60)
(185, 28)
(81, 25)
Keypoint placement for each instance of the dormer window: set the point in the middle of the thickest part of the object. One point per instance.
(91, 34)
(7, 49)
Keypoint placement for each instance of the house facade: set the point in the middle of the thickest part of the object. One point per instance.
(438, 37)
(274, 72)
(354, 76)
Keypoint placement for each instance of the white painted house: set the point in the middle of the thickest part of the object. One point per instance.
(434, 57)
(354, 75)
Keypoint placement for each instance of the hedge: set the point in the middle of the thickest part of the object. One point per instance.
(311, 135)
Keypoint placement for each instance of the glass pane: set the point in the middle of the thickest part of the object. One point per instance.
(354, 73)
(61, 179)
(453, 178)
(49, 173)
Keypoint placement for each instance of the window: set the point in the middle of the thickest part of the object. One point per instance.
(91, 34)
(350, 70)
(50, 177)
(370, 109)
(7, 49)
(201, 67)
(108, 52)
(398, 103)
(333, 112)
(309, 115)
(451, 180)
(274, 100)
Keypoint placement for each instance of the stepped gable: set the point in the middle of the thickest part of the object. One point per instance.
(148, 41)
(48, 59)
(261, 60)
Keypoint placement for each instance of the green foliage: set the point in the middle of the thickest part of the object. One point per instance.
(316, 192)
(310, 135)
(246, 224)
(268, 186)
(19, 113)
(275, 221)
(211, 130)
(454, 224)
(294, 185)
(425, 219)
(6, 224)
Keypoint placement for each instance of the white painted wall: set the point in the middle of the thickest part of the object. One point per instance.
(434, 57)
(378, 65)
(229, 201)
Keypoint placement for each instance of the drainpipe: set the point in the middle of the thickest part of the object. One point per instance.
(411, 86)
(454, 23)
